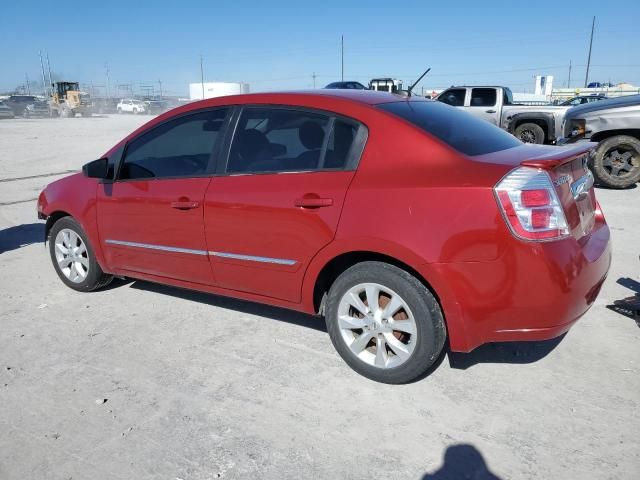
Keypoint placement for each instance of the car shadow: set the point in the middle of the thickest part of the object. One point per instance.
(504, 352)
(274, 313)
(630, 306)
(460, 462)
(19, 236)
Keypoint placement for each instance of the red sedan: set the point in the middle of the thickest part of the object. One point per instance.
(402, 221)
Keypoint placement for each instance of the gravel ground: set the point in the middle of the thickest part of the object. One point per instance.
(145, 381)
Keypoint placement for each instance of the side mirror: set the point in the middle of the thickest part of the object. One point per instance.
(97, 169)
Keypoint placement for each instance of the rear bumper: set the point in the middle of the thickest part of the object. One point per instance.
(533, 291)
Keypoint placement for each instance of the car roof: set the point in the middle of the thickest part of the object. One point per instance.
(366, 97)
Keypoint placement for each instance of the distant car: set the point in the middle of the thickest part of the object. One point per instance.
(18, 103)
(350, 85)
(582, 99)
(156, 107)
(5, 110)
(402, 220)
(615, 125)
(129, 105)
(105, 105)
(36, 109)
(600, 85)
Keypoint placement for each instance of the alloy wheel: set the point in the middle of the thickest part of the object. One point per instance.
(377, 325)
(71, 255)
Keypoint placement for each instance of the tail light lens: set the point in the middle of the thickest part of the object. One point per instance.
(530, 205)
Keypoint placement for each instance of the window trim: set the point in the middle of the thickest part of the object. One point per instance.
(214, 156)
(495, 93)
(467, 96)
(353, 156)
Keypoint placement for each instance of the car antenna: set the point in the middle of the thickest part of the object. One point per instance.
(417, 81)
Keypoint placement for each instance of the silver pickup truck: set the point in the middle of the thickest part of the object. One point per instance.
(615, 125)
(529, 123)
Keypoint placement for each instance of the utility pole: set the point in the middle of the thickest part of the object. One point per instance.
(44, 80)
(49, 68)
(569, 79)
(202, 76)
(314, 79)
(586, 77)
(342, 55)
(160, 83)
(26, 77)
(106, 68)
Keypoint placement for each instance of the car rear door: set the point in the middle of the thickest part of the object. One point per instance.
(483, 103)
(278, 198)
(151, 217)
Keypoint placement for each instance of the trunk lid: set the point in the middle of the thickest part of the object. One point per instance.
(570, 175)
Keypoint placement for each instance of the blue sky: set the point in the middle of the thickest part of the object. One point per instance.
(280, 44)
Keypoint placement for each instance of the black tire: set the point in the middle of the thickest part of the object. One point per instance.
(530, 133)
(95, 278)
(431, 332)
(607, 158)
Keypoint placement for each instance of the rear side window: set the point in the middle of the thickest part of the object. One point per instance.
(458, 129)
(287, 140)
(178, 148)
(453, 97)
(483, 97)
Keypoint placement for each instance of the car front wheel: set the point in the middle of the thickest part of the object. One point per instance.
(384, 322)
(73, 258)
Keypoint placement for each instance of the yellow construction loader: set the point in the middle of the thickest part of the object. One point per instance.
(66, 100)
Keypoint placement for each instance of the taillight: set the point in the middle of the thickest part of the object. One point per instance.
(530, 205)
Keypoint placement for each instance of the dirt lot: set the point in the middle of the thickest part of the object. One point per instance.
(143, 381)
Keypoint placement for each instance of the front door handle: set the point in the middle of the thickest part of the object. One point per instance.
(490, 111)
(313, 202)
(185, 204)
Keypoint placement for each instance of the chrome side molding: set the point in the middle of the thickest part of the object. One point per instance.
(251, 258)
(235, 256)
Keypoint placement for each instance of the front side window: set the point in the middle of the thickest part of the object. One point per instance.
(178, 148)
(453, 97)
(286, 140)
(483, 97)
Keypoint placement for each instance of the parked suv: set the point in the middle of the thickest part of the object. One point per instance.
(402, 221)
(615, 125)
(128, 105)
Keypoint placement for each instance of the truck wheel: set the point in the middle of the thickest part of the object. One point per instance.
(384, 323)
(530, 133)
(616, 163)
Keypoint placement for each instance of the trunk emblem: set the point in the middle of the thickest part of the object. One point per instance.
(562, 179)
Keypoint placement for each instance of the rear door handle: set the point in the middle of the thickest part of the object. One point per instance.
(490, 111)
(184, 204)
(313, 202)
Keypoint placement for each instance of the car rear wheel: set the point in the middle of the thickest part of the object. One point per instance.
(73, 258)
(530, 133)
(616, 163)
(384, 322)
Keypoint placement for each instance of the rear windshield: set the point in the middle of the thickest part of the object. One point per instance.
(460, 130)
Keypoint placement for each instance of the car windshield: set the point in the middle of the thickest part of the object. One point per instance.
(458, 129)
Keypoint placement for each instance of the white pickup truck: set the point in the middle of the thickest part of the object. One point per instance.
(529, 123)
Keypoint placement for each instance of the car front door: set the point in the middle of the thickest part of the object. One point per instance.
(278, 198)
(150, 218)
